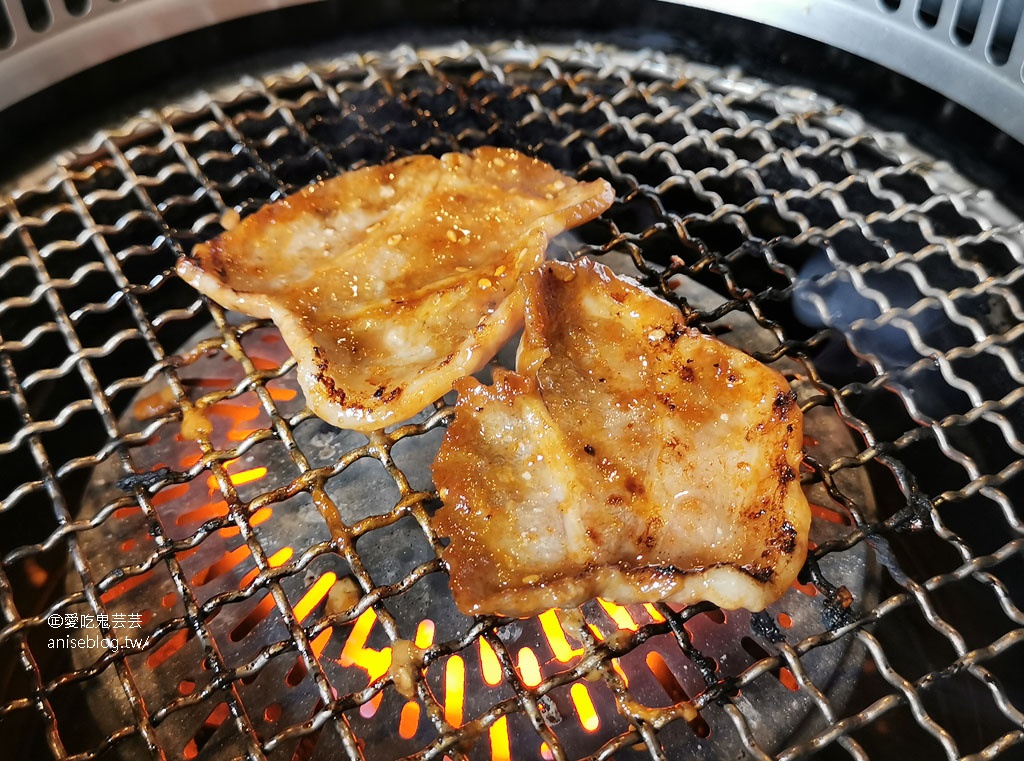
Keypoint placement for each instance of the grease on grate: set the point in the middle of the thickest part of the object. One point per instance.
(324, 512)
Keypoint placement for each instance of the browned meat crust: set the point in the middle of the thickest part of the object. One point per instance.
(390, 282)
(629, 458)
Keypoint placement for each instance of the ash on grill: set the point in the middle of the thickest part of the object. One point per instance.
(282, 574)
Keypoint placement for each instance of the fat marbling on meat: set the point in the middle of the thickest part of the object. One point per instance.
(390, 282)
(629, 457)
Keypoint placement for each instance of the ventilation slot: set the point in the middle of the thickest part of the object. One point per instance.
(928, 12)
(967, 22)
(6, 30)
(1007, 27)
(37, 13)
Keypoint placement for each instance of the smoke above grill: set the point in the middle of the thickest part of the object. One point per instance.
(278, 578)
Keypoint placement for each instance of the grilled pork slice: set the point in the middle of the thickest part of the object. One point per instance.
(390, 282)
(629, 458)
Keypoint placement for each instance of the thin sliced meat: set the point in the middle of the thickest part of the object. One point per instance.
(629, 458)
(390, 282)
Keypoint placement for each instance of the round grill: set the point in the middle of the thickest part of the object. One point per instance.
(163, 474)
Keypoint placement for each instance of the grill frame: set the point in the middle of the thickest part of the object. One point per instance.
(46, 42)
(79, 162)
(968, 51)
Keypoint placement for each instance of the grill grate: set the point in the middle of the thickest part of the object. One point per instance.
(878, 279)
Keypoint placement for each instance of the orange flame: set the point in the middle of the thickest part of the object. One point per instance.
(204, 513)
(424, 634)
(454, 690)
(656, 617)
(788, 680)
(265, 605)
(619, 615)
(169, 648)
(216, 717)
(409, 721)
(164, 496)
(808, 589)
(355, 652)
(262, 363)
(321, 641)
(281, 394)
(261, 516)
(564, 648)
(660, 668)
(124, 513)
(280, 557)
(529, 668)
(247, 476)
(314, 596)
(374, 662)
(581, 700)
(237, 479)
(617, 667)
(238, 413)
(827, 514)
(489, 664)
(276, 560)
(223, 564)
(211, 382)
(555, 634)
(600, 638)
(240, 434)
(130, 583)
(501, 745)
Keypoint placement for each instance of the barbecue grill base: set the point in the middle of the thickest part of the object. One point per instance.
(885, 283)
(365, 491)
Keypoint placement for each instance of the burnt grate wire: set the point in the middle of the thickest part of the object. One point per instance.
(883, 283)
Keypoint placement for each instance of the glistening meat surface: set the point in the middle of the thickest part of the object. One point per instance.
(629, 458)
(390, 282)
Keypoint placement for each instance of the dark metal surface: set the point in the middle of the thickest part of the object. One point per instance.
(391, 548)
(885, 285)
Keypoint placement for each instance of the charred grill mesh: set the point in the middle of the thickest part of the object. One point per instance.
(892, 284)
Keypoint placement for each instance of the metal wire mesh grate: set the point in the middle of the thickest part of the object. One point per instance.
(272, 571)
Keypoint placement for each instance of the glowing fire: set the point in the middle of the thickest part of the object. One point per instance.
(555, 634)
(409, 720)
(531, 670)
(501, 744)
(490, 666)
(584, 706)
(374, 662)
(454, 690)
(314, 596)
(237, 479)
(532, 664)
(410, 717)
(619, 615)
